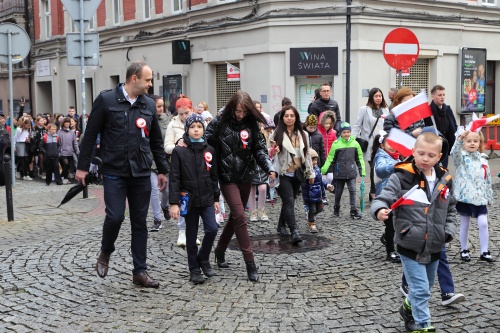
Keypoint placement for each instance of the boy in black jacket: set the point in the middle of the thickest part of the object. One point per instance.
(49, 145)
(193, 171)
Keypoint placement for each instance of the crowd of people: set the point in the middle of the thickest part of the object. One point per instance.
(191, 164)
(30, 137)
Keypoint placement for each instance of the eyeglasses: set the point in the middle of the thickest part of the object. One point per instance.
(240, 111)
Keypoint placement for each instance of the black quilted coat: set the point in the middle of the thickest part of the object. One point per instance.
(236, 161)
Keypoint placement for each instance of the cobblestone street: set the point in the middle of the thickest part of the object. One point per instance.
(48, 282)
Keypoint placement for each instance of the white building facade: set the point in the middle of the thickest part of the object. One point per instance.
(266, 39)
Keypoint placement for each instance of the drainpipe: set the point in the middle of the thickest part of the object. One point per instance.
(28, 58)
(348, 64)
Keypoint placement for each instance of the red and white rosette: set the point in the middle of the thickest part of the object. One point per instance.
(208, 158)
(244, 137)
(141, 123)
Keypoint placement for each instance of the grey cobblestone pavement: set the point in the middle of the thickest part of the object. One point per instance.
(48, 283)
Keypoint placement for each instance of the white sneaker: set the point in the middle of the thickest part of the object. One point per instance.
(198, 241)
(27, 178)
(181, 241)
(254, 217)
(262, 215)
(65, 181)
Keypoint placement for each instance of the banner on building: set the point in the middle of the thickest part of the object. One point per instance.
(314, 61)
(473, 82)
(172, 88)
(233, 72)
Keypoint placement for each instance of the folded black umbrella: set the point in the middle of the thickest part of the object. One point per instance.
(91, 178)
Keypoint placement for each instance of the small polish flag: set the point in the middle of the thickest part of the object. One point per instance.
(401, 141)
(412, 110)
(415, 194)
(477, 123)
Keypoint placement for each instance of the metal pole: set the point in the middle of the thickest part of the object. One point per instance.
(11, 107)
(82, 66)
(348, 64)
(7, 164)
(400, 79)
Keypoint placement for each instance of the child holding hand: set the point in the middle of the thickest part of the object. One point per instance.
(472, 190)
(193, 171)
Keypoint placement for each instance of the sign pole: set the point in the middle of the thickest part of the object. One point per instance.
(82, 66)
(400, 79)
(11, 106)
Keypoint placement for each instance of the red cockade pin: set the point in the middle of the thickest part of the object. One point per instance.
(141, 123)
(244, 137)
(208, 158)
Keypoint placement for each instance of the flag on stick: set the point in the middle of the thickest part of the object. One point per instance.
(477, 124)
(412, 110)
(415, 194)
(401, 141)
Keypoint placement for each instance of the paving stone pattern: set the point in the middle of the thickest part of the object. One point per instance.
(48, 282)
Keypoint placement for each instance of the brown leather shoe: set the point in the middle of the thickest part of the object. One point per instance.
(102, 264)
(143, 279)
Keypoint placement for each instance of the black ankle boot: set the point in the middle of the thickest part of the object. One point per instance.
(336, 211)
(296, 239)
(355, 214)
(220, 259)
(252, 271)
(283, 231)
(196, 277)
(206, 268)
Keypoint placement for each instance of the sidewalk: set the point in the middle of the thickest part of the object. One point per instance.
(48, 282)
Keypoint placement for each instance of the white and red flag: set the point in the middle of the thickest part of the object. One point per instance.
(412, 110)
(477, 124)
(401, 141)
(415, 194)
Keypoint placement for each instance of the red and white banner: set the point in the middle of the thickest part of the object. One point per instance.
(233, 72)
(477, 124)
(401, 141)
(412, 110)
(415, 194)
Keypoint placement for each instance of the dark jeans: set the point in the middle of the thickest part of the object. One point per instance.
(288, 190)
(314, 208)
(137, 191)
(52, 167)
(389, 234)
(236, 196)
(23, 165)
(339, 189)
(444, 274)
(210, 227)
(372, 180)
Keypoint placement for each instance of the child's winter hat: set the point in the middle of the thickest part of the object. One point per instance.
(194, 118)
(313, 153)
(311, 120)
(206, 114)
(345, 127)
(269, 123)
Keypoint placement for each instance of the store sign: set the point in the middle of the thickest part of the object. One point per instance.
(473, 82)
(314, 61)
(233, 73)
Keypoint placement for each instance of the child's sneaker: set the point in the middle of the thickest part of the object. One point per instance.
(355, 214)
(405, 312)
(254, 216)
(325, 201)
(312, 227)
(465, 255)
(452, 298)
(156, 226)
(485, 256)
(262, 215)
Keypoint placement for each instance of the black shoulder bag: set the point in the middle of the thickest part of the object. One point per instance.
(364, 143)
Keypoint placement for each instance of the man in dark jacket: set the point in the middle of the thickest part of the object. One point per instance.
(326, 103)
(445, 120)
(127, 122)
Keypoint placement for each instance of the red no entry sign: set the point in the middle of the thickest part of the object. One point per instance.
(401, 48)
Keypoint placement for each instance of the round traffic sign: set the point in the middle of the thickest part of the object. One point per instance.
(20, 43)
(401, 48)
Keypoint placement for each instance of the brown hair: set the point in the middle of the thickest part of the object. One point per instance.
(436, 87)
(402, 93)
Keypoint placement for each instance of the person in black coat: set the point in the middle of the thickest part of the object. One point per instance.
(445, 120)
(326, 103)
(126, 119)
(316, 140)
(194, 173)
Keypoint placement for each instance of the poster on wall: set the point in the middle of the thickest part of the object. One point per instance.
(172, 88)
(473, 81)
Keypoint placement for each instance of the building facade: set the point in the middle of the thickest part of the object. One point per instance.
(282, 48)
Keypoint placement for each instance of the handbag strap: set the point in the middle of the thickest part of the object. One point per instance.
(373, 129)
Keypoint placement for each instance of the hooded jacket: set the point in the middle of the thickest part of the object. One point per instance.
(317, 143)
(67, 143)
(320, 105)
(314, 193)
(237, 158)
(420, 229)
(189, 173)
(346, 157)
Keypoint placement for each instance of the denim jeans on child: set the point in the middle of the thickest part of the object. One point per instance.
(420, 279)
(210, 227)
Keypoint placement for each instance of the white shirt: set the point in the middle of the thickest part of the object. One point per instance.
(127, 97)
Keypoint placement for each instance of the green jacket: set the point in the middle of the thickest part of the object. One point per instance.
(346, 156)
